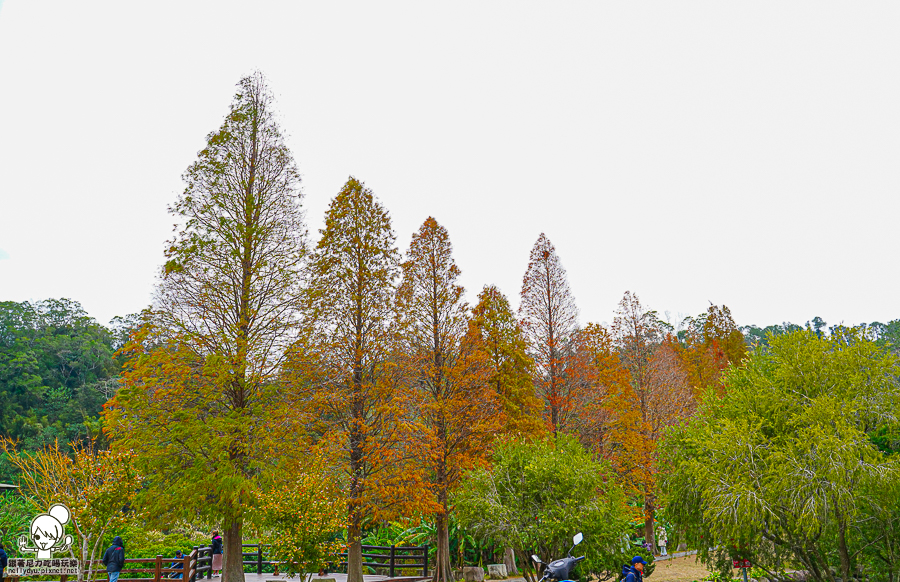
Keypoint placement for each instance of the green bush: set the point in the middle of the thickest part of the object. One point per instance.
(149, 543)
(538, 495)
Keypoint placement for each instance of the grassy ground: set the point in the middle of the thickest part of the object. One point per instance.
(684, 569)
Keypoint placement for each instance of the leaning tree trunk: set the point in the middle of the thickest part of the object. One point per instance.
(527, 572)
(233, 560)
(843, 552)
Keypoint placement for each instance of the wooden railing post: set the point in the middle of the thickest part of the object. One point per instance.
(425, 562)
(196, 555)
(259, 559)
(158, 575)
(186, 566)
(393, 555)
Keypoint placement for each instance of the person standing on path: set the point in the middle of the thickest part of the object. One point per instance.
(4, 560)
(216, 553)
(661, 539)
(114, 559)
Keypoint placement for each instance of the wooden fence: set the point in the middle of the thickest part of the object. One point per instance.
(257, 558)
(191, 568)
(197, 564)
(390, 559)
(393, 559)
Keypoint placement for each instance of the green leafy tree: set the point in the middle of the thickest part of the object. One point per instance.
(782, 467)
(200, 408)
(511, 369)
(755, 335)
(537, 495)
(887, 334)
(300, 511)
(15, 517)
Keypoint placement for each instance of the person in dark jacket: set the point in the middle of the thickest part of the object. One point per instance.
(216, 553)
(634, 572)
(4, 560)
(114, 559)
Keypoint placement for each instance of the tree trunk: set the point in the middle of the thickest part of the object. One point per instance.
(354, 545)
(233, 560)
(842, 546)
(509, 559)
(650, 513)
(442, 572)
(527, 565)
(83, 561)
(357, 470)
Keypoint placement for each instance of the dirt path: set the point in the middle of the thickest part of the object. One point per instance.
(684, 569)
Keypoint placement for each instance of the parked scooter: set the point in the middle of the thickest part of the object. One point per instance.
(560, 570)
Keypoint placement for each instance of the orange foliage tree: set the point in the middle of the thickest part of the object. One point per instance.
(96, 486)
(711, 343)
(341, 372)
(657, 396)
(456, 408)
(600, 380)
(549, 317)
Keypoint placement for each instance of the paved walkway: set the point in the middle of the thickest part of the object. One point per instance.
(675, 555)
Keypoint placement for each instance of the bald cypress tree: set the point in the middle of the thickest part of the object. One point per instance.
(549, 317)
(200, 392)
(341, 370)
(447, 375)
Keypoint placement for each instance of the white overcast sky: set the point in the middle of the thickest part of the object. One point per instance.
(745, 153)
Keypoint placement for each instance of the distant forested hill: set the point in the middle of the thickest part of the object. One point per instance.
(884, 334)
(57, 368)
